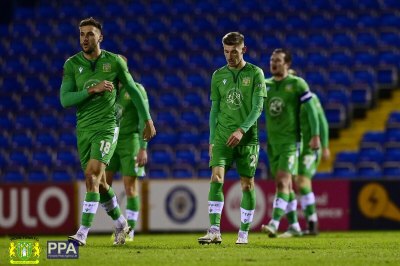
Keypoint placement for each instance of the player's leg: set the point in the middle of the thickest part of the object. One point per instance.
(131, 184)
(308, 165)
(131, 173)
(246, 165)
(221, 158)
(93, 174)
(285, 165)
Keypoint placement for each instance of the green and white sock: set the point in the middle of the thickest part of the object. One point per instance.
(90, 205)
(215, 203)
(308, 205)
(132, 210)
(110, 204)
(279, 207)
(247, 207)
(291, 211)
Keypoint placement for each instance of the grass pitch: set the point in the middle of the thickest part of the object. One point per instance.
(339, 248)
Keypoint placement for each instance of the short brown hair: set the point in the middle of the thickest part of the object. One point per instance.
(91, 22)
(288, 55)
(233, 38)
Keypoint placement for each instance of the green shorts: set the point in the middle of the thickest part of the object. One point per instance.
(245, 157)
(308, 162)
(98, 145)
(124, 158)
(283, 157)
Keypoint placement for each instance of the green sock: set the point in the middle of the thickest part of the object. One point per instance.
(247, 207)
(291, 209)
(109, 202)
(215, 203)
(132, 210)
(90, 206)
(308, 202)
(280, 204)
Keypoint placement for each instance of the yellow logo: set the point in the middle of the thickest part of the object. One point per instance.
(106, 67)
(246, 81)
(374, 203)
(24, 250)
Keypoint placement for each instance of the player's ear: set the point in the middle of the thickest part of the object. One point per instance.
(244, 49)
(101, 38)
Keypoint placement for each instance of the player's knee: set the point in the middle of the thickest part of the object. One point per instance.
(247, 184)
(282, 184)
(216, 177)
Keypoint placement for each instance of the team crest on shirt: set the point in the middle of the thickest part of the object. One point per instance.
(106, 67)
(234, 99)
(276, 105)
(246, 81)
(289, 88)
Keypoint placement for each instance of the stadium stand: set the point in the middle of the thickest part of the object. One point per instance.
(347, 51)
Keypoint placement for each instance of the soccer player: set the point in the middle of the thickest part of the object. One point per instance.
(308, 164)
(309, 161)
(89, 79)
(286, 94)
(237, 96)
(130, 155)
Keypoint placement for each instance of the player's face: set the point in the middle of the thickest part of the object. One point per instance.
(234, 54)
(277, 65)
(90, 38)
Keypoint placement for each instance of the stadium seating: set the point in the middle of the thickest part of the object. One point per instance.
(347, 65)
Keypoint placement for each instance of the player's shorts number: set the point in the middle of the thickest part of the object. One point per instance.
(253, 159)
(105, 146)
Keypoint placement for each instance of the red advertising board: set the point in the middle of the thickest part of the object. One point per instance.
(37, 209)
(332, 197)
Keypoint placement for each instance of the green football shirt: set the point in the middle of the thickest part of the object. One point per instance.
(97, 111)
(306, 127)
(282, 108)
(234, 89)
(127, 113)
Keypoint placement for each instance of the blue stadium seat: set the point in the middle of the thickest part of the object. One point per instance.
(182, 171)
(394, 118)
(392, 154)
(60, 175)
(365, 57)
(190, 118)
(196, 80)
(68, 139)
(391, 170)
(45, 139)
(41, 157)
(188, 137)
(48, 121)
(3, 161)
(13, 176)
(343, 40)
(66, 157)
(339, 76)
(186, 154)
(370, 154)
(344, 170)
(6, 123)
(37, 174)
(161, 156)
(366, 39)
(21, 140)
(361, 96)
(232, 174)
(369, 170)
(393, 134)
(377, 137)
(319, 21)
(347, 157)
(203, 172)
(365, 75)
(157, 172)
(387, 76)
(25, 122)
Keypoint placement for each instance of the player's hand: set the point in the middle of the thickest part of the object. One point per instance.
(235, 138)
(315, 143)
(149, 130)
(105, 85)
(326, 154)
(141, 157)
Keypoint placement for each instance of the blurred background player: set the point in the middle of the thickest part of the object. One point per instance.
(309, 161)
(130, 155)
(286, 94)
(237, 95)
(89, 82)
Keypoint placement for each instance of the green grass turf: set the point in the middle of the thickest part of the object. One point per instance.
(336, 248)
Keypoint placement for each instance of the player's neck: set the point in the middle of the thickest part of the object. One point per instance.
(280, 77)
(238, 66)
(93, 55)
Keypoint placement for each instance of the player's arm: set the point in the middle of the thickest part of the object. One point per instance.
(323, 128)
(126, 79)
(312, 114)
(69, 96)
(260, 92)
(215, 106)
(142, 143)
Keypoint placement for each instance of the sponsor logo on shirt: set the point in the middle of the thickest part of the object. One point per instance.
(246, 81)
(106, 67)
(234, 99)
(80, 69)
(276, 106)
